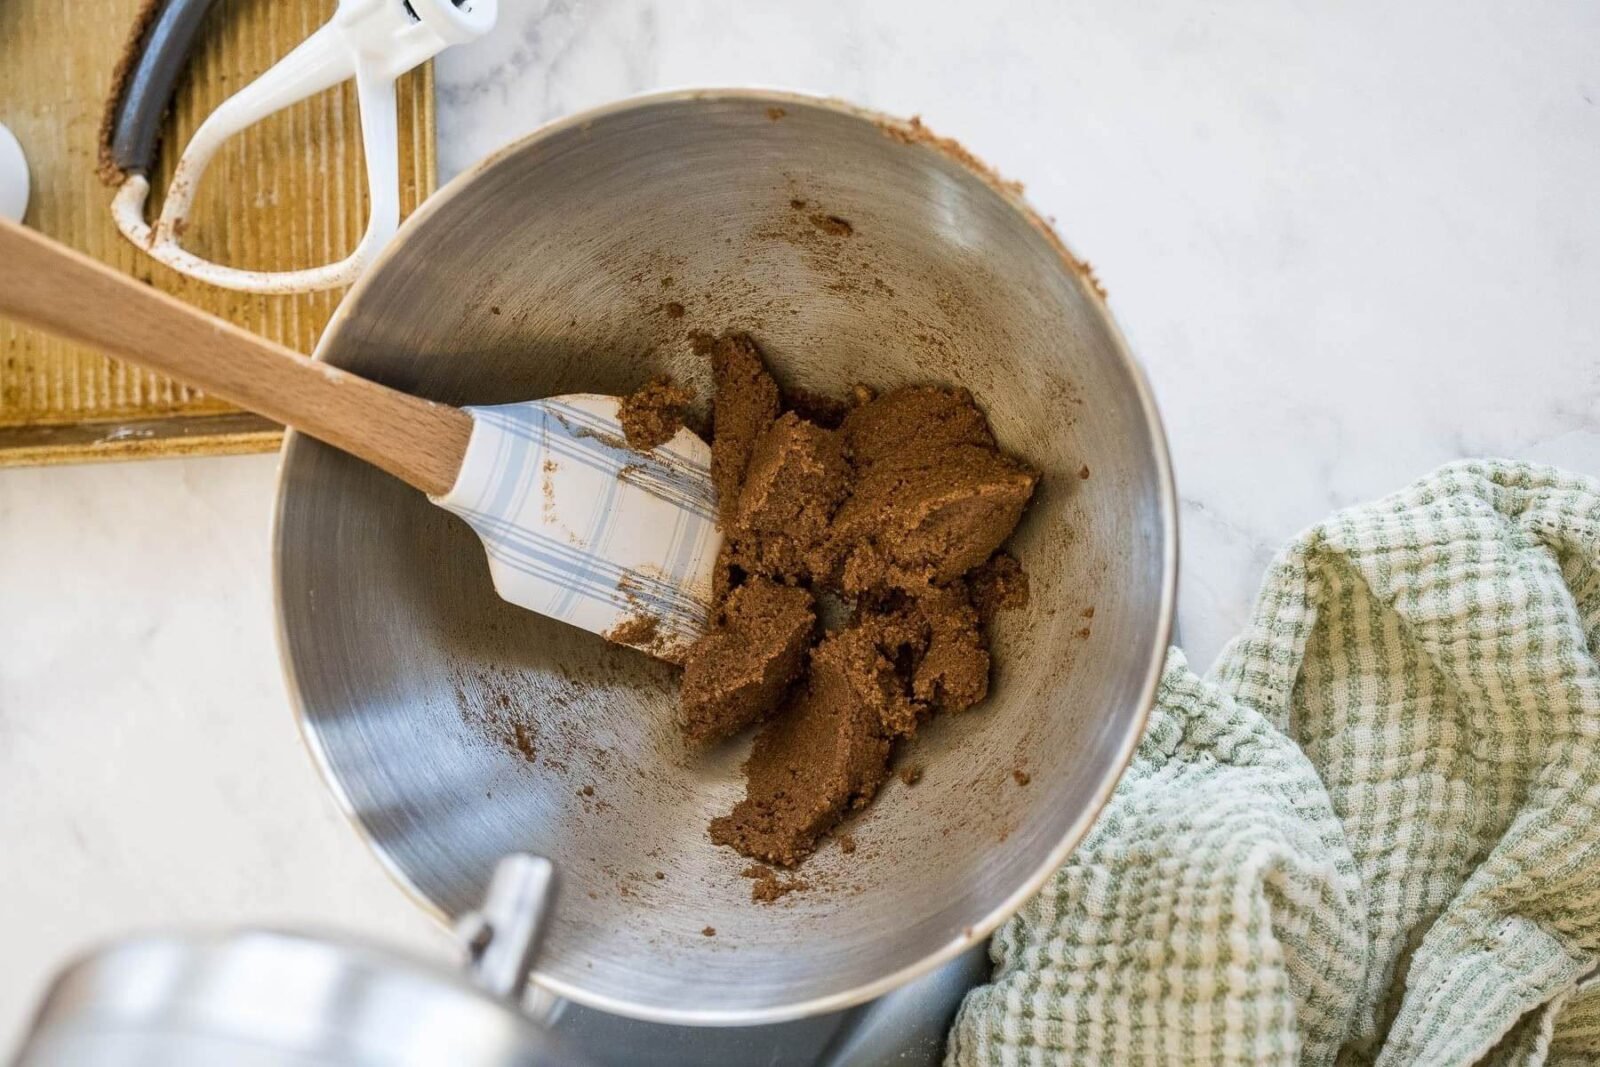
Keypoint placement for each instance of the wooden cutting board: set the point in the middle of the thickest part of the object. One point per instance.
(287, 193)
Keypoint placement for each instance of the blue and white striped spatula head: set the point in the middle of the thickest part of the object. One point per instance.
(582, 528)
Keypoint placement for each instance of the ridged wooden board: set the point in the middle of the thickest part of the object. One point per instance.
(288, 193)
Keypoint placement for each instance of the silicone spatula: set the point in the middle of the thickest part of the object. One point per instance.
(577, 525)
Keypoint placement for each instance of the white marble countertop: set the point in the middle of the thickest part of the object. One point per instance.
(1350, 242)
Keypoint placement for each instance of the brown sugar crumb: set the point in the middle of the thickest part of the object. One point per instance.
(746, 403)
(660, 875)
(710, 931)
(737, 673)
(494, 309)
(776, 113)
(998, 585)
(654, 413)
(832, 225)
(770, 886)
(673, 309)
(1021, 776)
(797, 204)
(911, 775)
(644, 632)
(501, 716)
(1088, 612)
(1083, 472)
(847, 843)
(522, 740)
(637, 630)
(587, 790)
(1085, 632)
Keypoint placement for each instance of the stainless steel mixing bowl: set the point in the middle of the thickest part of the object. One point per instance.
(455, 728)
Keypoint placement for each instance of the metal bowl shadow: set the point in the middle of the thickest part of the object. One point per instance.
(454, 728)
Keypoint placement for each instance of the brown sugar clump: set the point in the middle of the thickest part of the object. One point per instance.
(737, 672)
(935, 641)
(654, 413)
(930, 521)
(998, 585)
(952, 673)
(827, 753)
(899, 505)
(795, 481)
(746, 403)
(933, 496)
(894, 427)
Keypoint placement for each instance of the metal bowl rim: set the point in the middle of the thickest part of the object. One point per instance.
(1166, 502)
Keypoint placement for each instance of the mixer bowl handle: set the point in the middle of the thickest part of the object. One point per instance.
(501, 938)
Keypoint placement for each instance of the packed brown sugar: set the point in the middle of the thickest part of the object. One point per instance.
(898, 505)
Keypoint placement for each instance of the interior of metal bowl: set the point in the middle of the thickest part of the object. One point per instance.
(456, 728)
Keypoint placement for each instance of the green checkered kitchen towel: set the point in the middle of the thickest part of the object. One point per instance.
(1370, 834)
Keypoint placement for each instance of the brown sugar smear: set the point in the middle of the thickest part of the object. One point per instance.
(896, 505)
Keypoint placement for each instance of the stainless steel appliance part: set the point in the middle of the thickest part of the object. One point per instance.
(262, 998)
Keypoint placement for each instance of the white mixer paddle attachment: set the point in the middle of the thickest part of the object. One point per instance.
(372, 41)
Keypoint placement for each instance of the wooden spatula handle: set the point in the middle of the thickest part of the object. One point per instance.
(58, 290)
